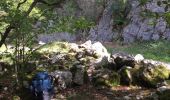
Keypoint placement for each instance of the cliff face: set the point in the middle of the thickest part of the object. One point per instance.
(147, 22)
(140, 20)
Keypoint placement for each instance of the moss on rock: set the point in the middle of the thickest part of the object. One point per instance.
(154, 74)
(106, 78)
(54, 47)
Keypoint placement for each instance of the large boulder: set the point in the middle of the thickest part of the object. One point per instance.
(137, 70)
(123, 59)
(152, 73)
(95, 50)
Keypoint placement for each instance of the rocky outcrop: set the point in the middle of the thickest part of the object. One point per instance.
(103, 30)
(91, 8)
(73, 64)
(146, 22)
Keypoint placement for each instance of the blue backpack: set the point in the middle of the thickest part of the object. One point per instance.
(42, 84)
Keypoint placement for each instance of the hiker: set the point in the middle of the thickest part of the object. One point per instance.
(42, 86)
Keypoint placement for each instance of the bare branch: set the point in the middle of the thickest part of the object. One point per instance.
(21, 4)
(57, 4)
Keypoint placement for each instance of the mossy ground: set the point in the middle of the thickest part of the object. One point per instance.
(54, 47)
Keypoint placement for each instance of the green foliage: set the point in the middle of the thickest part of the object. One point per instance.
(149, 14)
(120, 10)
(167, 17)
(82, 23)
(166, 5)
(69, 24)
(156, 50)
(143, 2)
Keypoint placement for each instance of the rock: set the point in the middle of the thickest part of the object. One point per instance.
(86, 45)
(153, 73)
(91, 8)
(161, 25)
(5, 88)
(155, 37)
(127, 98)
(123, 59)
(80, 76)
(138, 58)
(41, 43)
(163, 88)
(101, 53)
(145, 27)
(58, 58)
(105, 77)
(103, 31)
(125, 75)
(63, 79)
(167, 34)
(80, 55)
(139, 97)
(74, 47)
(95, 50)
(63, 36)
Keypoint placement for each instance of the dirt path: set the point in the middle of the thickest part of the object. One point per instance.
(88, 92)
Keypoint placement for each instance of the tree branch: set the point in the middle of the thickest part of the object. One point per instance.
(13, 26)
(5, 35)
(57, 4)
(21, 4)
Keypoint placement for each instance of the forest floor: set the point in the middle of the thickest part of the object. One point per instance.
(88, 92)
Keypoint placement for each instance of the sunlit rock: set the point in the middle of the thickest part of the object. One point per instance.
(139, 58)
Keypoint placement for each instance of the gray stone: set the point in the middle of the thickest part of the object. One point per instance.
(63, 79)
(145, 27)
(155, 37)
(138, 58)
(125, 75)
(167, 34)
(161, 25)
(91, 8)
(123, 59)
(103, 30)
(63, 36)
(153, 7)
(79, 74)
